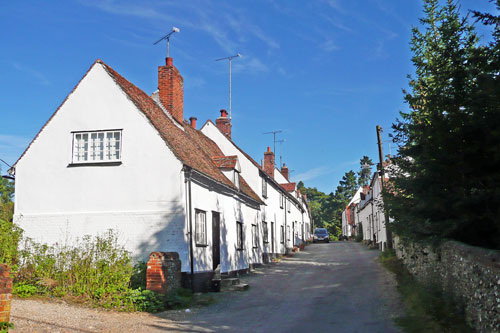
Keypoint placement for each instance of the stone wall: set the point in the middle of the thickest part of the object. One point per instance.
(470, 274)
(163, 273)
(5, 293)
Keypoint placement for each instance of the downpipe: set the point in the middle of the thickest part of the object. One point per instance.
(187, 180)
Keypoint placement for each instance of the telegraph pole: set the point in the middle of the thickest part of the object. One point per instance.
(382, 182)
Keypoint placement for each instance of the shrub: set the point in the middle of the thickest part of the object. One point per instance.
(138, 278)
(24, 290)
(5, 326)
(10, 234)
(144, 300)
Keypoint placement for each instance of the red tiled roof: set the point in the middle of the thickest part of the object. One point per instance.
(225, 162)
(210, 149)
(254, 162)
(289, 187)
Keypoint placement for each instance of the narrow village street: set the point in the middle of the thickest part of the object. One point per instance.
(336, 287)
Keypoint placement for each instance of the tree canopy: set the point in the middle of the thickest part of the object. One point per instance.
(446, 180)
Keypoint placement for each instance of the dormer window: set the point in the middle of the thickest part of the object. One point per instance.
(97, 146)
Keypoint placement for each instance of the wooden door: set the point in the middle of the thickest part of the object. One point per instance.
(215, 239)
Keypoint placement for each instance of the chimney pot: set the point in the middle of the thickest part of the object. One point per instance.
(223, 123)
(285, 172)
(192, 122)
(268, 149)
(169, 61)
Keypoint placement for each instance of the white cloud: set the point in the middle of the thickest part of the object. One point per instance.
(32, 72)
(313, 173)
(329, 46)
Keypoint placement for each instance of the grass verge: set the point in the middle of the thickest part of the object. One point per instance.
(428, 309)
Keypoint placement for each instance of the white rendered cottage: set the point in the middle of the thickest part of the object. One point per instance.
(112, 157)
(371, 215)
(285, 216)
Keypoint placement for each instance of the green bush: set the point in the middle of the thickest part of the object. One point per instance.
(10, 234)
(5, 326)
(138, 278)
(144, 300)
(97, 266)
(24, 290)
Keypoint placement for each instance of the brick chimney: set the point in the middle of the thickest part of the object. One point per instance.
(284, 171)
(269, 162)
(171, 89)
(192, 122)
(223, 123)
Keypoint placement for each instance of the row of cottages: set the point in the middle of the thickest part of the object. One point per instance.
(113, 157)
(364, 215)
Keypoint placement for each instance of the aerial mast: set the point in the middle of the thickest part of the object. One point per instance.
(230, 58)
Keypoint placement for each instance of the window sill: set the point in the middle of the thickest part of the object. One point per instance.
(237, 249)
(201, 245)
(112, 163)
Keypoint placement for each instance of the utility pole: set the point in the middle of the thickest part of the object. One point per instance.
(274, 140)
(382, 181)
(229, 59)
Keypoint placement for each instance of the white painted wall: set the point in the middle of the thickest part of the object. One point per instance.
(271, 212)
(142, 199)
(231, 210)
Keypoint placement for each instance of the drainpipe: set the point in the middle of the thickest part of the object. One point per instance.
(187, 175)
(285, 234)
(373, 223)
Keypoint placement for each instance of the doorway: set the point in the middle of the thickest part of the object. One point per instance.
(215, 239)
(272, 237)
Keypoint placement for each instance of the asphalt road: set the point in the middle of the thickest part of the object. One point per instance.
(336, 287)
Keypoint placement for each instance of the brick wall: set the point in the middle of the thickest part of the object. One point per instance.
(269, 162)
(171, 89)
(163, 273)
(5, 293)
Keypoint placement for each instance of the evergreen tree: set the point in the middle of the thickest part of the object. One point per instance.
(443, 185)
(365, 172)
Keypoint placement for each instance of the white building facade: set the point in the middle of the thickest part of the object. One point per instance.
(112, 157)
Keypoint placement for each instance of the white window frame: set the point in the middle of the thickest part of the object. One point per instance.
(288, 204)
(200, 228)
(97, 146)
(282, 198)
(240, 236)
(282, 234)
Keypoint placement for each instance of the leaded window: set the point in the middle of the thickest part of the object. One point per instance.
(98, 146)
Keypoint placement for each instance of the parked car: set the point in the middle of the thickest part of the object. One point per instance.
(321, 235)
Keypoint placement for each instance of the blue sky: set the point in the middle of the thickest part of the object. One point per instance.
(324, 72)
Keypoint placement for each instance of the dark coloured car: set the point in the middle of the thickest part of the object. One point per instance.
(321, 235)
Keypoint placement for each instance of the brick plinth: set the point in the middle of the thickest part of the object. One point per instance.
(163, 275)
(5, 293)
